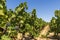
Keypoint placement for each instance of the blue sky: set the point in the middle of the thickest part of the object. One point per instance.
(45, 8)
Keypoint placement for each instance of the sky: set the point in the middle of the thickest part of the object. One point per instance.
(44, 8)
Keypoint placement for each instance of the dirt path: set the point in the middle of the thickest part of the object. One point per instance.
(44, 30)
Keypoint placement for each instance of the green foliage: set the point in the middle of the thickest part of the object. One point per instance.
(5, 37)
(20, 21)
(55, 23)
